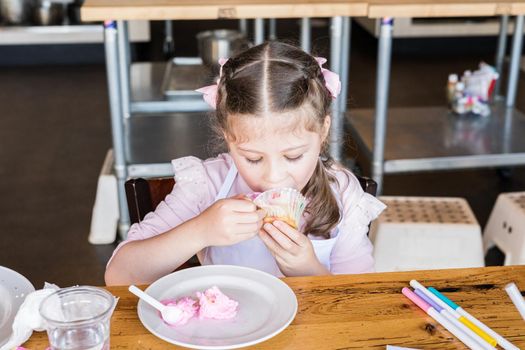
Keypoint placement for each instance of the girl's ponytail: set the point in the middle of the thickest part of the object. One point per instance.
(323, 211)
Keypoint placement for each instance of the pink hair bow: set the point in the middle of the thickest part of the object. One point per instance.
(210, 91)
(332, 81)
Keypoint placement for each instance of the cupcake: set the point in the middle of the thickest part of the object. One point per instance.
(284, 204)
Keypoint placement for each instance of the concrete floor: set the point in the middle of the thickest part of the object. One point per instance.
(55, 131)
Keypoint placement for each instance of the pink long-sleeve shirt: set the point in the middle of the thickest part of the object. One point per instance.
(348, 250)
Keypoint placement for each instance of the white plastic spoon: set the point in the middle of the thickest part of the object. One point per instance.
(170, 313)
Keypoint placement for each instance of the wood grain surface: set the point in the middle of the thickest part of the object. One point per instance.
(96, 10)
(440, 8)
(360, 311)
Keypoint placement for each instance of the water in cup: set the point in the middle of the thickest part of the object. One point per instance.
(77, 318)
(92, 338)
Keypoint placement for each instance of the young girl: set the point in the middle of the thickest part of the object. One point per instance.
(272, 109)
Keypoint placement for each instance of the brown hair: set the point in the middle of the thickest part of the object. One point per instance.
(275, 77)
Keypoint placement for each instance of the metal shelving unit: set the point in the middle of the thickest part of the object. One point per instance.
(166, 124)
(150, 93)
(433, 138)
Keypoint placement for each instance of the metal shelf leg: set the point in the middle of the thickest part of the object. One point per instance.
(168, 48)
(306, 30)
(382, 91)
(272, 29)
(117, 127)
(336, 132)
(259, 31)
(515, 62)
(243, 26)
(345, 64)
(124, 62)
(500, 53)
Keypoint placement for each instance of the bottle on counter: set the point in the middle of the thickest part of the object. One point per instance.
(459, 101)
(451, 87)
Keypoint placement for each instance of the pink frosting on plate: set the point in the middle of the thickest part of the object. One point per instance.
(214, 304)
(211, 304)
(187, 305)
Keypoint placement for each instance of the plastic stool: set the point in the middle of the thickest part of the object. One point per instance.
(422, 233)
(506, 227)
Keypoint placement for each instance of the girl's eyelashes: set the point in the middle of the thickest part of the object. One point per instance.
(253, 161)
(294, 159)
(288, 158)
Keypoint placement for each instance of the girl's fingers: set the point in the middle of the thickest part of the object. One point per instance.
(294, 235)
(241, 205)
(248, 228)
(279, 237)
(249, 218)
(274, 248)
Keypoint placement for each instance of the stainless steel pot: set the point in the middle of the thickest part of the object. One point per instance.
(47, 12)
(220, 43)
(15, 11)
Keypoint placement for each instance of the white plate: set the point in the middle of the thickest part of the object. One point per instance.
(13, 289)
(266, 307)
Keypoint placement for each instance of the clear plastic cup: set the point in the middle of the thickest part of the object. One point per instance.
(78, 318)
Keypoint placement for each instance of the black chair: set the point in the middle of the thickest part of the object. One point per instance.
(144, 195)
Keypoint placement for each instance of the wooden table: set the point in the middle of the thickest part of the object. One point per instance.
(360, 311)
(440, 8)
(94, 10)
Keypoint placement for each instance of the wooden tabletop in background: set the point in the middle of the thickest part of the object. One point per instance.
(99, 10)
(440, 8)
(359, 311)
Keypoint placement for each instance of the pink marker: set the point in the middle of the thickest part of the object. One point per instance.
(458, 333)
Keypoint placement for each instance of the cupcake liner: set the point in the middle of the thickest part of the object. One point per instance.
(285, 204)
(252, 196)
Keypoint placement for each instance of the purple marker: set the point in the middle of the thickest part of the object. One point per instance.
(428, 300)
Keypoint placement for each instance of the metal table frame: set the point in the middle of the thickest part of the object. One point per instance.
(382, 92)
(122, 107)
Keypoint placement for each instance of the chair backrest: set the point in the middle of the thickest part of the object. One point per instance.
(144, 195)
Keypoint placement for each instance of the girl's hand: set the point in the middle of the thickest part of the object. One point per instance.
(292, 250)
(229, 221)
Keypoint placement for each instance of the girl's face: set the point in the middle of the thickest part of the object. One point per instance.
(269, 155)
